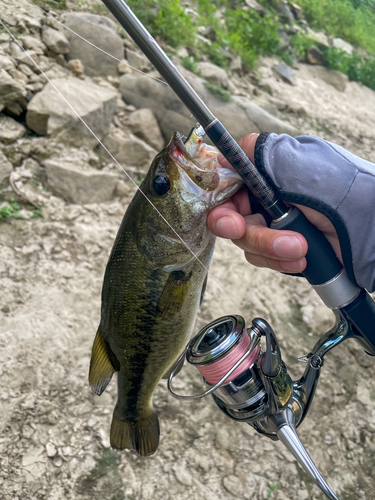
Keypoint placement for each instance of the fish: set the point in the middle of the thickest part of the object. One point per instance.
(154, 283)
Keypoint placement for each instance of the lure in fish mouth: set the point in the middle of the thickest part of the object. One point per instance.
(153, 283)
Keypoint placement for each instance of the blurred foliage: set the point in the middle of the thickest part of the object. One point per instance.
(216, 89)
(352, 20)
(165, 18)
(235, 30)
(250, 35)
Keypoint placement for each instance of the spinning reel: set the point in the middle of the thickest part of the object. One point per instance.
(250, 383)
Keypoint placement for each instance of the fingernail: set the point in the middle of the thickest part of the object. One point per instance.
(295, 266)
(226, 228)
(287, 246)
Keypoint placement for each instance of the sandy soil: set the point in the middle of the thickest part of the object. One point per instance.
(54, 432)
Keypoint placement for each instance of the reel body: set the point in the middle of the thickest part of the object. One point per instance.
(250, 383)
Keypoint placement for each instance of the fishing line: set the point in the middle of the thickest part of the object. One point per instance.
(118, 164)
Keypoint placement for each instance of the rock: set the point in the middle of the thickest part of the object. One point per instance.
(233, 485)
(122, 189)
(284, 38)
(264, 121)
(6, 63)
(144, 125)
(33, 43)
(236, 65)
(253, 4)
(314, 56)
(332, 77)
(172, 114)
(5, 167)
(297, 11)
(51, 450)
(213, 73)
(10, 130)
(48, 114)
(128, 149)
(285, 12)
(339, 43)
(285, 73)
(138, 61)
(123, 67)
(76, 66)
(55, 40)
(77, 185)
(101, 32)
(18, 76)
(10, 89)
(320, 38)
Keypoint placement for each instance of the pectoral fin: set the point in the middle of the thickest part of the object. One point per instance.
(174, 293)
(103, 365)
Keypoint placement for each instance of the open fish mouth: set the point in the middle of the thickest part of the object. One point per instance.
(202, 167)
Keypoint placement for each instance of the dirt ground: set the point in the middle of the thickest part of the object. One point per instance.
(54, 433)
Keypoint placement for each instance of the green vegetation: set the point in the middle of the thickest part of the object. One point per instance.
(233, 29)
(351, 20)
(216, 89)
(11, 210)
(272, 489)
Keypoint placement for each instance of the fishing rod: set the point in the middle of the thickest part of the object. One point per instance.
(262, 394)
(323, 271)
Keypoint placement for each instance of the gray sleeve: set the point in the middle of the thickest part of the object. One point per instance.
(326, 177)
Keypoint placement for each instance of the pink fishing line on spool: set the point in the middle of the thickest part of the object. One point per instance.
(216, 371)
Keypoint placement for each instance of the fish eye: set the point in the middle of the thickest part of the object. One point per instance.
(161, 185)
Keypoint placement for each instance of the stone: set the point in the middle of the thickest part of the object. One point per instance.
(314, 56)
(253, 4)
(285, 73)
(320, 38)
(144, 125)
(29, 58)
(335, 78)
(339, 43)
(172, 114)
(10, 89)
(138, 61)
(213, 73)
(33, 43)
(285, 12)
(264, 121)
(48, 114)
(122, 189)
(51, 450)
(5, 167)
(55, 40)
(6, 62)
(10, 129)
(76, 66)
(77, 185)
(233, 485)
(128, 149)
(101, 32)
(297, 11)
(18, 76)
(236, 65)
(123, 67)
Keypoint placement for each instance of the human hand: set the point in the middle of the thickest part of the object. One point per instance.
(264, 247)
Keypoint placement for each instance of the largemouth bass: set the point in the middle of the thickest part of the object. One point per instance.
(153, 284)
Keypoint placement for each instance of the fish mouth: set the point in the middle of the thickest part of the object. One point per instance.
(204, 177)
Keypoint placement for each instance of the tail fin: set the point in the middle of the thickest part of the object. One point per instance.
(141, 435)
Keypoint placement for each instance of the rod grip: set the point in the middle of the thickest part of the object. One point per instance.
(322, 263)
